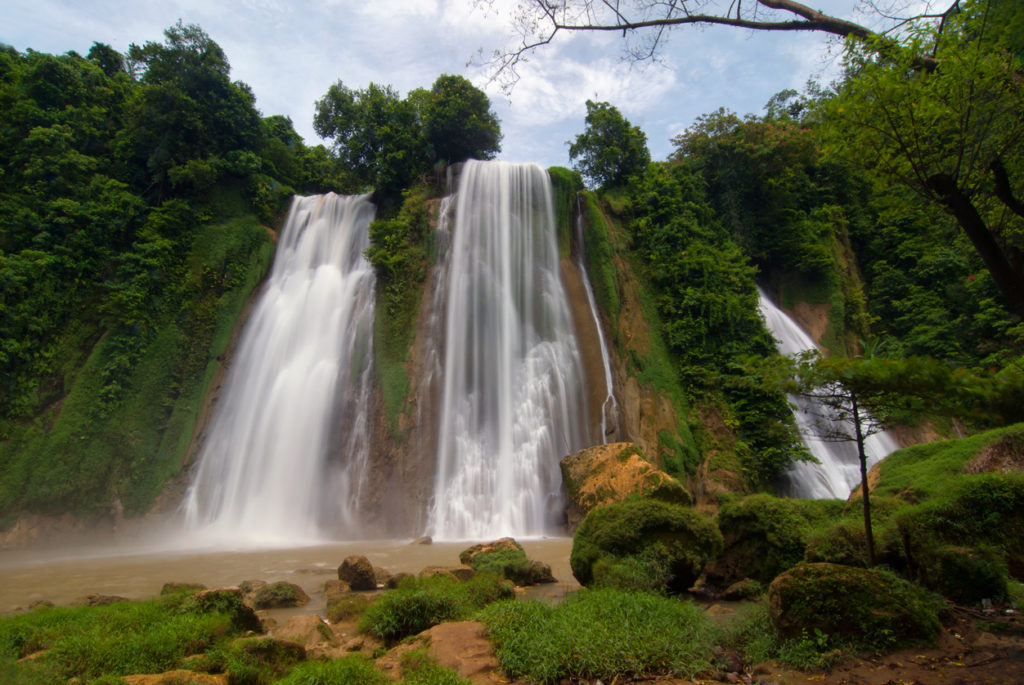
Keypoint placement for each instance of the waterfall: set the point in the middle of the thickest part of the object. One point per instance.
(287, 448)
(609, 407)
(512, 399)
(839, 469)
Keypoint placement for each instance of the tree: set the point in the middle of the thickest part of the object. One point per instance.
(859, 395)
(610, 150)
(376, 135)
(458, 121)
(953, 134)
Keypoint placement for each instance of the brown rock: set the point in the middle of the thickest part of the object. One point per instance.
(467, 555)
(335, 588)
(425, 540)
(98, 600)
(358, 572)
(431, 571)
(611, 473)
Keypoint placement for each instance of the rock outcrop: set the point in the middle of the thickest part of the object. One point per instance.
(611, 473)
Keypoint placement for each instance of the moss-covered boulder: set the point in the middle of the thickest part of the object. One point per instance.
(506, 558)
(226, 600)
(978, 511)
(763, 536)
(866, 608)
(358, 572)
(279, 595)
(611, 473)
(644, 544)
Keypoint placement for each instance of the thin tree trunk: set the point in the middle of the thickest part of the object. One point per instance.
(868, 536)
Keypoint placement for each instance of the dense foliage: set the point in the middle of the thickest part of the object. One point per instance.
(129, 241)
(610, 150)
(385, 142)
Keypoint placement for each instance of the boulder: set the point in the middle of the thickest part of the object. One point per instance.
(425, 540)
(310, 631)
(227, 600)
(280, 595)
(269, 650)
(644, 544)
(396, 580)
(358, 572)
(98, 600)
(335, 588)
(611, 473)
(431, 571)
(504, 557)
(871, 608)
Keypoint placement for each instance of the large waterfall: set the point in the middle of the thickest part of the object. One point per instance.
(287, 449)
(513, 392)
(838, 470)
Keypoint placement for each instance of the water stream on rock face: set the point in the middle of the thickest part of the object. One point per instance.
(839, 469)
(610, 407)
(287, 449)
(513, 394)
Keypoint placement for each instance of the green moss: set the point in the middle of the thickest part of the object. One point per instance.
(674, 541)
(866, 608)
(122, 436)
(565, 187)
(349, 670)
(398, 252)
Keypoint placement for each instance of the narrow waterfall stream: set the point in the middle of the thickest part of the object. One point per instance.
(839, 469)
(512, 400)
(287, 448)
(610, 407)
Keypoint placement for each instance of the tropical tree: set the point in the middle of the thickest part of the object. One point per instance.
(610, 150)
(952, 134)
(376, 135)
(458, 121)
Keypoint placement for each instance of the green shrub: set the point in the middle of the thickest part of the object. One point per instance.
(419, 604)
(349, 670)
(279, 594)
(605, 634)
(664, 538)
(506, 562)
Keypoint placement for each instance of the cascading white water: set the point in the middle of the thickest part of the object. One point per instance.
(839, 469)
(286, 452)
(513, 394)
(610, 407)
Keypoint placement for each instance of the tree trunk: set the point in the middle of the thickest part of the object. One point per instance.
(1009, 281)
(859, 432)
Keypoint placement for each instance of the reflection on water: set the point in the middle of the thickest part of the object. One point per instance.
(64, 574)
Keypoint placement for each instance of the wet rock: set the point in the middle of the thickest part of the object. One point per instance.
(98, 600)
(270, 650)
(748, 588)
(467, 556)
(280, 595)
(540, 572)
(228, 600)
(382, 576)
(463, 573)
(610, 473)
(335, 588)
(425, 540)
(396, 580)
(40, 603)
(313, 633)
(181, 588)
(358, 572)
(431, 571)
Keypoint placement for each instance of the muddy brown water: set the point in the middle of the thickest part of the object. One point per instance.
(64, 574)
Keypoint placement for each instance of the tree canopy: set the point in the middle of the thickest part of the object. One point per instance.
(610, 150)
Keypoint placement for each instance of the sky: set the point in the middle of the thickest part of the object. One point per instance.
(291, 51)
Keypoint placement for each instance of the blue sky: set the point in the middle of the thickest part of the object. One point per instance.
(290, 52)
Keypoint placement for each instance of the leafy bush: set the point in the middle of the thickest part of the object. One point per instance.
(664, 538)
(420, 603)
(605, 634)
(967, 576)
